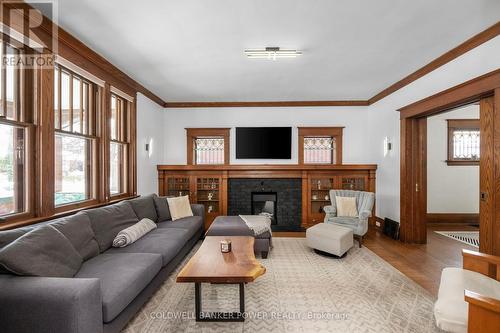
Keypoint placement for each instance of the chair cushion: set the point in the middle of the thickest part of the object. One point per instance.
(192, 224)
(107, 221)
(123, 276)
(44, 251)
(162, 209)
(165, 242)
(78, 231)
(144, 207)
(179, 207)
(451, 310)
(348, 221)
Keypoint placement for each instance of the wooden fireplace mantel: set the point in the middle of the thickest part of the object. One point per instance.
(208, 184)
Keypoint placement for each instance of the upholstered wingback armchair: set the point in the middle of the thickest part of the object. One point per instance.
(359, 224)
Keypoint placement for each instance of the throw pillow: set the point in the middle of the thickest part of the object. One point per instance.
(162, 209)
(179, 207)
(43, 251)
(144, 207)
(129, 235)
(346, 206)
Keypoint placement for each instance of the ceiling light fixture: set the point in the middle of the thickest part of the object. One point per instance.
(271, 53)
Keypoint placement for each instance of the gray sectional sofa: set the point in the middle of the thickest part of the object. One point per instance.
(111, 284)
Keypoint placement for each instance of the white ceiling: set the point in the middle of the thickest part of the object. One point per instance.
(192, 50)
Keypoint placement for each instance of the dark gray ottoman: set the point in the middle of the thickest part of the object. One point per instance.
(235, 226)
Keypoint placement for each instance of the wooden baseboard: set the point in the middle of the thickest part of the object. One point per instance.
(457, 218)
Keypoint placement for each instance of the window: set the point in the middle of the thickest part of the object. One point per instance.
(318, 149)
(209, 150)
(16, 125)
(12, 169)
(208, 146)
(75, 137)
(463, 142)
(119, 145)
(320, 145)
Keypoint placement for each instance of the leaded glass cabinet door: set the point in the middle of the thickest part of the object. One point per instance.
(178, 186)
(319, 197)
(208, 194)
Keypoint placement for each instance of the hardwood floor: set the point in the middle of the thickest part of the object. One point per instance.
(422, 263)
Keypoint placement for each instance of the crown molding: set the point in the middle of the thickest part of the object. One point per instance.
(263, 104)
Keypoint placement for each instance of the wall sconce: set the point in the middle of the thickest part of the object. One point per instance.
(149, 147)
(387, 146)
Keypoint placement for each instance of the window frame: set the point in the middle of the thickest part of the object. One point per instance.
(333, 132)
(92, 134)
(125, 138)
(25, 84)
(460, 124)
(193, 133)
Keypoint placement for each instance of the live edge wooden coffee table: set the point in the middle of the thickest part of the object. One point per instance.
(210, 265)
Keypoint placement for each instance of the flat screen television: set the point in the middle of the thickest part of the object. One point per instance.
(264, 142)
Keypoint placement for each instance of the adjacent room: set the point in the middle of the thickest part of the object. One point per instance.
(249, 166)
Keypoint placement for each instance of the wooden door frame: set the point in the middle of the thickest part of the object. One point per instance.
(413, 185)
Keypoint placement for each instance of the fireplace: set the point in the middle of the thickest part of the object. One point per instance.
(265, 203)
(280, 197)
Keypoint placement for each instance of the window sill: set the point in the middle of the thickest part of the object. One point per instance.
(463, 163)
(22, 222)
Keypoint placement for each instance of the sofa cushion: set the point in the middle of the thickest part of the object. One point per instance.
(192, 224)
(451, 310)
(166, 242)
(107, 221)
(8, 236)
(144, 207)
(44, 251)
(162, 209)
(122, 275)
(78, 231)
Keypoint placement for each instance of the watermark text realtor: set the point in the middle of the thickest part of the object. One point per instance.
(31, 40)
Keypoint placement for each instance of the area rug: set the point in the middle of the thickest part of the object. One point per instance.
(300, 292)
(468, 237)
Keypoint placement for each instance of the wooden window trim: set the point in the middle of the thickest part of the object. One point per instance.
(334, 132)
(454, 124)
(22, 118)
(89, 132)
(125, 133)
(193, 133)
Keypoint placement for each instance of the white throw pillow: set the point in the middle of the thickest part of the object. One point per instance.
(179, 207)
(346, 207)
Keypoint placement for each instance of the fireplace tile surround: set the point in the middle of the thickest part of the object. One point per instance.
(289, 199)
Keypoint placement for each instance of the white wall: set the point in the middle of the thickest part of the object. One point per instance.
(384, 118)
(450, 188)
(149, 130)
(354, 120)
(366, 127)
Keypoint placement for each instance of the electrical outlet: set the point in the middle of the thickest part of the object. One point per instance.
(377, 223)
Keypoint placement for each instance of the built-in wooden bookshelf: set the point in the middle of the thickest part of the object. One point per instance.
(207, 184)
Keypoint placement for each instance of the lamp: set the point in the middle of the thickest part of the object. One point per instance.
(271, 53)
(387, 145)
